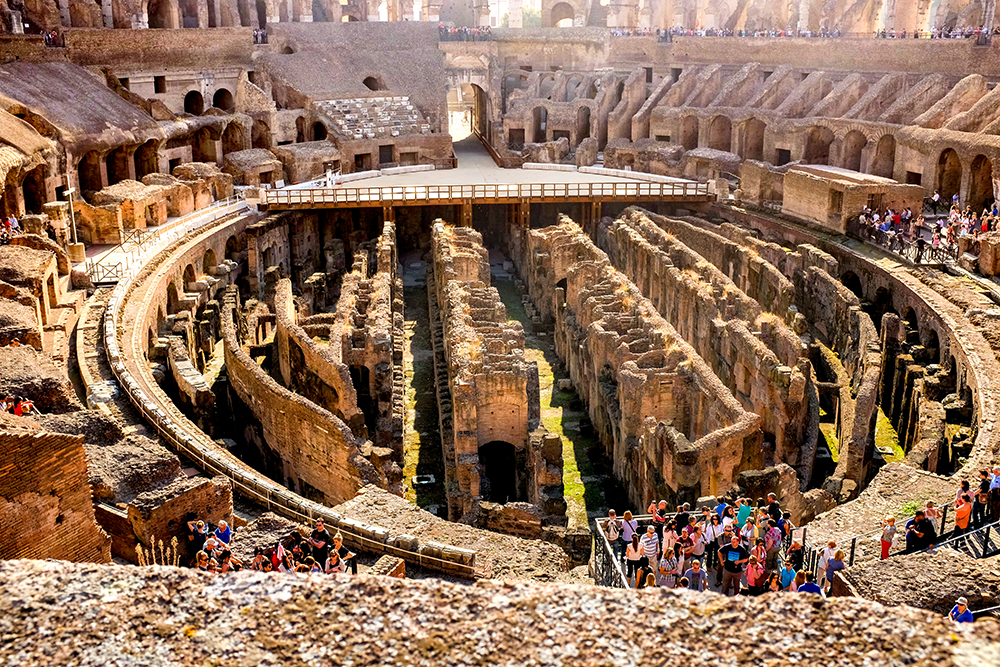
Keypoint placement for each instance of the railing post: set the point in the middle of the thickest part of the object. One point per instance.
(854, 545)
(944, 517)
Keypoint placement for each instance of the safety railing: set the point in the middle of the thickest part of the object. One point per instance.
(495, 192)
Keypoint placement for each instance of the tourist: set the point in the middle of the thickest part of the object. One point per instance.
(748, 533)
(349, 558)
(787, 575)
(795, 555)
(710, 537)
(772, 542)
(743, 511)
(960, 612)
(995, 494)
(659, 512)
(920, 533)
(650, 581)
(755, 576)
(773, 583)
(643, 574)
(888, 534)
(197, 534)
(669, 535)
(668, 569)
(258, 560)
(729, 516)
(613, 532)
(696, 577)
(211, 544)
(733, 556)
(683, 517)
(633, 555)
(824, 559)
(963, 514)
(320, 542)
(933, 514)
(773, 508)
(759, 551)
(724, 540)
(222, 532)
(333, 564)
(982, 499)
(798, 581)
(833, 566)
(650, 545)
(228, 562)
(810, 585)
(629, 527)
(201, 561)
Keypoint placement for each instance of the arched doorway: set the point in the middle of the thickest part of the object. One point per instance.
(319, 131)
(189, 275)
(498, 472)
(981, 183)
(373, 83)
(232, 248)
(232, 139)
(562, 15)
(147, 160)
(261, 14)
(208, 260)
(194, 103)
(884, 162)
(204, 147)
(949, 174)
(89, 172)
(753, 139)
(851, 281)
(818, 146)
(117, 164)
(540, 118)
(467, 111)
(189, 14)
(689, 132)
(319, 12)
(33, 189)
(582, 123)
(854, 143)
(720, 134)
(172, 299)
(223, 99)
(159, 14)
(260, 135)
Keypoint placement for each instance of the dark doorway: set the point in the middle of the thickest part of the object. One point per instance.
(360, 378)
(194, 103)
(498, 481)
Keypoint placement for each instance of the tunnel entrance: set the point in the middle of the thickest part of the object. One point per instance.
(498, 474)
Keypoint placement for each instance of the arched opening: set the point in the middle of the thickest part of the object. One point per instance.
(232, 139)
(571, 88)
(818, 146)
(851, 281)
(933, 347)
(319, 12)
(854, 143)
(689, 132)
(884, 162)
(498, 472)
(260, 135)
(33, 188)
(949, 174)
(159, 14)
(545, 87)
(319, 131)
(117, 163)
(172, 299)
(232, 249)
(261, 14)
(147, 160)
(467, 111)
(562, 15)
(540, 118)
(300, 130)
(208, 260)
(189, 275)
(89, 172)
(912, 327)
(981, 183)
(204, 147)
(582, 123)
(361, 379)
(189, 13)
(243, 9)
(373, 83)
(194, 103)
(720, 134)
(223, 99)
(880, 306)
(753, 139)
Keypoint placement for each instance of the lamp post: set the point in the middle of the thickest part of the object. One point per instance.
(77, 251)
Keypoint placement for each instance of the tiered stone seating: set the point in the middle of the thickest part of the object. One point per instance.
(371, 117)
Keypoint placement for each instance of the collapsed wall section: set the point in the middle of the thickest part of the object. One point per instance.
(493, 447)
(756, 355)
(670, 426)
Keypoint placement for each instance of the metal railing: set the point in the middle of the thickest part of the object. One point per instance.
(513, 192)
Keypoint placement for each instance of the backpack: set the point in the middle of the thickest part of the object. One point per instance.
(613, 531)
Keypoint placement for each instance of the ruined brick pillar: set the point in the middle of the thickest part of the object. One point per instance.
(890, 350)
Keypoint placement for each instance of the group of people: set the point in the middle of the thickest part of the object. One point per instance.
(53, 39)
(320, 552)
(9, 229)
(18, 405)
(745, 548)
(667, 34)
(464, 34)
(260, 36)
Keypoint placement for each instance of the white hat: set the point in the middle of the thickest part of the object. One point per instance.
(963, 602)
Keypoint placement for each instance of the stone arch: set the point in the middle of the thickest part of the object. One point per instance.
(933, 346)
(818, 145)
(33, 189)
(720, 134)
(851, 281)
(147, 159)
(689, 132)
(261, 14)
(232, 248)
(949, 177)
(232, 139)
(546, 86)
(561, 15)
(260, 134)
(172, 298)
(498, 476)
(853, 144)
(204, 145)
(300, 130)
(540, 119)
(884, 160)
(88, 171)
(208, 260)
(194, 103)
(223, 99)
(189, 275)
(189, 13)
(161, 14)
(980, 183)
(753, 139)
(117, 163)
(374, 83)
(319, 132)
(912, 325)
(582, 123)
(571, 87)
(319, 14)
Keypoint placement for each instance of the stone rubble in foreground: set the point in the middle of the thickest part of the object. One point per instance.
(56, 613)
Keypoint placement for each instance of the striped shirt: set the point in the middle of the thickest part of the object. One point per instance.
(650, 545)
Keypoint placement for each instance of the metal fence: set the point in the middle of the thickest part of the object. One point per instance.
(495, 192)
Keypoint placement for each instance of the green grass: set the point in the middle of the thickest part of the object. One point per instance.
(886, 437)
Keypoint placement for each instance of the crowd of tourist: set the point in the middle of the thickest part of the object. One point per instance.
(9, 229)
(320, 552)
(53, 39)
(464, 34)
(18, 405)
(747, 549)
(260, 36)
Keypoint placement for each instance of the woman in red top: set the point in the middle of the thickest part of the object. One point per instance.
(963, 512)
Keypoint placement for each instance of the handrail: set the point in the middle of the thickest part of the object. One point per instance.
(512, 192)
(186, 439)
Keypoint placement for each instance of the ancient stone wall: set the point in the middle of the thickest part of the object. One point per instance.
(757, 356)
(671, 427)
(46, 506)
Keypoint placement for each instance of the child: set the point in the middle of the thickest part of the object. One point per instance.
(888, 535)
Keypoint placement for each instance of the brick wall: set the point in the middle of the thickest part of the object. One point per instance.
(46, 507)
(160, 50)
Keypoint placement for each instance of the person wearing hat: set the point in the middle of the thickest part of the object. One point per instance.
(960, 612)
